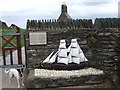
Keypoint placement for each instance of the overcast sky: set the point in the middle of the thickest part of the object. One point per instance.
(18, 11)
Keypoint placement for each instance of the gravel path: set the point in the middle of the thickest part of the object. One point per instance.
(43, 73)
(5, 83)
(4, 77)
(4, 80)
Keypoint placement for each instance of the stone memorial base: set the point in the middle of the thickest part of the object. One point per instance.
(42, 78)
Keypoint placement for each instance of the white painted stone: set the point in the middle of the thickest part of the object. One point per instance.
(43, 73)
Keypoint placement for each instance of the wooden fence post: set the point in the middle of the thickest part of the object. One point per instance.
(26, 57)
(11, 57)
(19, 47)
(4, 59)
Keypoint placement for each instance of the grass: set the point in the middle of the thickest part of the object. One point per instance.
(2, 42)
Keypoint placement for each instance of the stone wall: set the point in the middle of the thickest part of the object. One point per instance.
(53, 24)
(107, 23)
(90, 81)
(100, 45)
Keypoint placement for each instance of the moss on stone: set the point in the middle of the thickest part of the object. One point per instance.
(93, 39)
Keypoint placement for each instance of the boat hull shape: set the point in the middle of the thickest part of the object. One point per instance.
(70, 58)
(61, 66)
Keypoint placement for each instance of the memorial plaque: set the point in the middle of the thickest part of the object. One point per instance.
(38, 38)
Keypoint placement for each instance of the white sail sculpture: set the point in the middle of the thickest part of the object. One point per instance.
(62, 53)
(53, 58)
(48, 58)
(75, 55)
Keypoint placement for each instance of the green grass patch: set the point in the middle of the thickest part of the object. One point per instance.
(14, 41)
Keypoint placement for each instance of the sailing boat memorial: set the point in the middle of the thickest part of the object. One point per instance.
(67, 58)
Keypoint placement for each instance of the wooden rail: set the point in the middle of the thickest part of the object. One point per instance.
(16, 46)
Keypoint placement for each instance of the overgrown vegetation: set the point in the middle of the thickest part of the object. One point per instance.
(101, 62)
(38, 65)
(92, 38)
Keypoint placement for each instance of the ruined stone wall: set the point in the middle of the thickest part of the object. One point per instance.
(55, 24)
(98, 45)
(107, 23)
(73, 24)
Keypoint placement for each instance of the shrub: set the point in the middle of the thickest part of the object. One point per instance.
(93, 40)
(101, 62)
(92, 63)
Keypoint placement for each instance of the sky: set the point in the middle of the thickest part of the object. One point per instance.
(18, 11)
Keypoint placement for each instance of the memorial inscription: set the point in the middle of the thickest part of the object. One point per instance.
(38, 38)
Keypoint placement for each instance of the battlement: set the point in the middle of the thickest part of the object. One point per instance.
(54, 24)
(107, 23)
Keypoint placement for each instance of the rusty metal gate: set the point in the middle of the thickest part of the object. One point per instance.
(13, 46)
